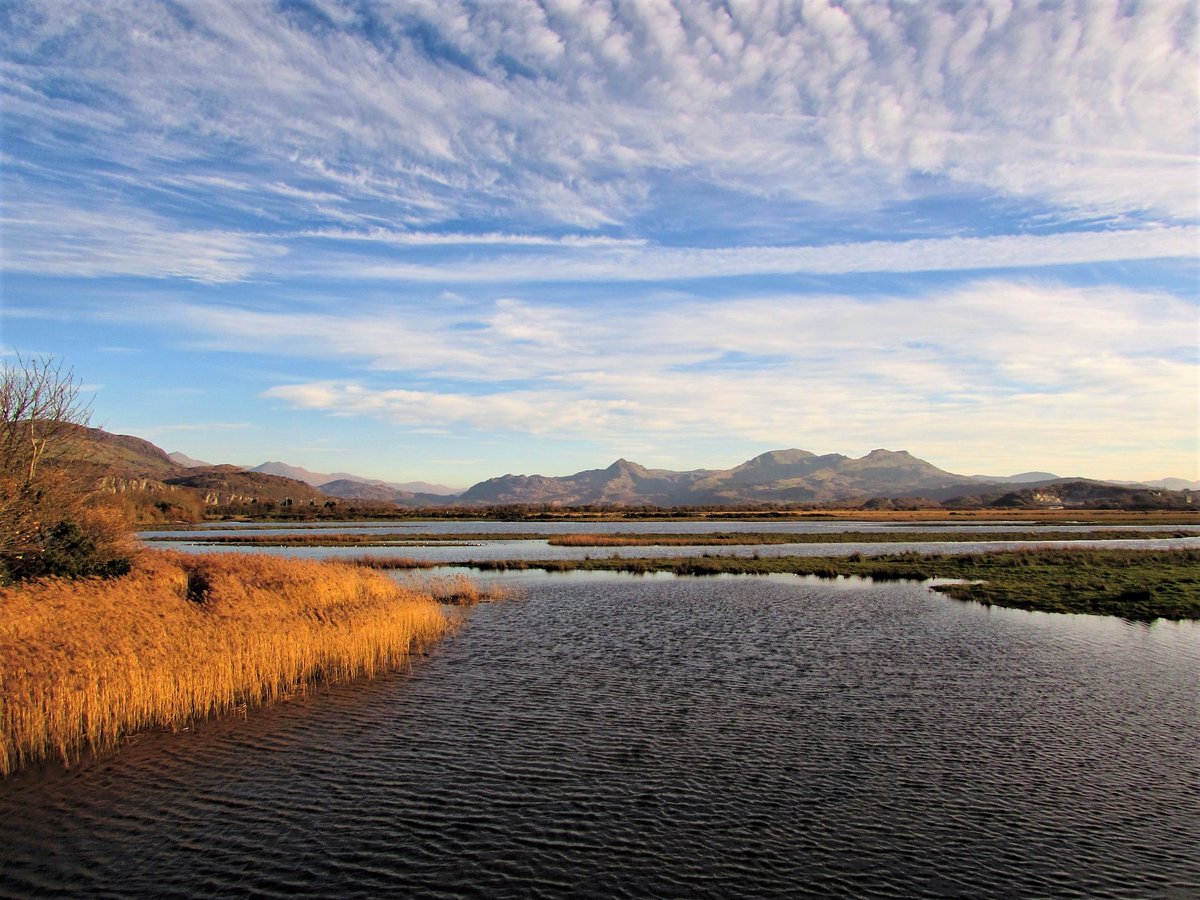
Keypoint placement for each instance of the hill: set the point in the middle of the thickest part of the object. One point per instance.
(623, 482)
(325, 481)
(1093, 495)
(230, 486)
(184, 460)
(353, 489)
(155, 487)
(780, 476)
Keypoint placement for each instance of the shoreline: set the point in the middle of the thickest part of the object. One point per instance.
(86, 663)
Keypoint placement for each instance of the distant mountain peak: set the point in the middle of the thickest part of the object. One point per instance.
(319, 479)
(777, 477)
(186, 461)
(626, 466)
(780, 457)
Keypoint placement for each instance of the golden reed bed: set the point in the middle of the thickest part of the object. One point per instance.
(84, 663)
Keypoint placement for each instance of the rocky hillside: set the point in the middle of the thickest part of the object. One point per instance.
(359, 490)
(1081, 494)
(155, 486)
(332, 483)
(231, 486)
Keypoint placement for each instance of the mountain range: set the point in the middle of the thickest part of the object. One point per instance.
(777, 477)
(122, 463)
(782, 477)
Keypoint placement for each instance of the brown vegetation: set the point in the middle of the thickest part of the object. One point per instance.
(50, 522)
(460, 589)
(327, 538)
(85, 662)
(366, 561)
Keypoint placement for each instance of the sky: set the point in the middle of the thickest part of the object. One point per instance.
(445, 241)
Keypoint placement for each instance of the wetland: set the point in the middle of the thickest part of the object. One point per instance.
(853, 730)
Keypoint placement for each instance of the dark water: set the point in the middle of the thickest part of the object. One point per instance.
(619, 736)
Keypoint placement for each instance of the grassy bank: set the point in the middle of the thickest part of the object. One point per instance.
(1133, 584)
(84, 663)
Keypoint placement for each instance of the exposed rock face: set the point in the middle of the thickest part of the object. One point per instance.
(111, 484)
(1083, 494)
(229, 485)
(121, 464)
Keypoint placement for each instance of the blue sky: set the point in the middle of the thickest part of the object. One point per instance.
(445, 241)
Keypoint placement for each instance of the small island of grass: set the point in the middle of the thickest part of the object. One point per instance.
(1133, 584)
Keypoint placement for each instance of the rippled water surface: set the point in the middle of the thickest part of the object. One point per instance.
(611, 735)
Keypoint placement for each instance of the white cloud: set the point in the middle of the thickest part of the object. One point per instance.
(935, 254)
(48, 238)
(460, 111)
(993, 364)
(522, 142)
(385, 236)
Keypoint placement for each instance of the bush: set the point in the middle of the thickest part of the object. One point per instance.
(93, 542)
(51, 521)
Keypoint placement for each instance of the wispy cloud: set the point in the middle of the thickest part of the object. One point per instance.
(964, 371)
(927, 255)
(456, 239)
(48, 239)
(469, 112)
(484, 218)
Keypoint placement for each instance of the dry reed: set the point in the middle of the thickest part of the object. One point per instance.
(459, 589)
(367, 561)
(84, 663)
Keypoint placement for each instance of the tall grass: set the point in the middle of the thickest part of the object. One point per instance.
(85, 662)
(459, 589)
(366, 561)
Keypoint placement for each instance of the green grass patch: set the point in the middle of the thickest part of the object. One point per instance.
(1133, 584)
